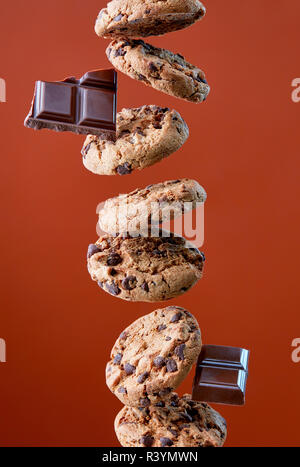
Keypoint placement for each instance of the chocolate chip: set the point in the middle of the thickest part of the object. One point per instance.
(201, 80)
(112, 272)
(160, 404)
(129, 283)
(123, 336)
(142, 378)
(145, 287)
(122, 390)
(166, 442)
(171, 366)
(117, 359)
(118, 18)
(176, 317)
(100, 284)
(113, 289)
(153, 67)
(124, 169)
(174, 404)
(168, 338)
(120, 52)
(92, 250)
(147, 12)
(86, 149)
(142, 77)
(129, 369)
(203, 256)
(162, 327)
(114, 259)
(157, 126)
(145, 402)
(147, 441)
(159, 362)
(179, 351)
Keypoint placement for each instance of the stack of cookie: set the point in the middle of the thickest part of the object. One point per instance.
(150, 133)
(148, 362)
(154, 354)
(146, 268)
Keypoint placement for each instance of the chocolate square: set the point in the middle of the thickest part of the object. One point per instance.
(84, 106)
(221, 375)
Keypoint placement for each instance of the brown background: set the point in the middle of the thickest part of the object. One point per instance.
(244, 149)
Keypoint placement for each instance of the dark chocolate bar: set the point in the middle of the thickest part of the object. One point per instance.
(221, 375)
(84, 106)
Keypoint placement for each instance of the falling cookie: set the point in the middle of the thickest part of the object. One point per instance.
(153, 356)
(145, 269)
(140, 18)
(182, 422)
(159, 68)
(150, 206)
(145, 135)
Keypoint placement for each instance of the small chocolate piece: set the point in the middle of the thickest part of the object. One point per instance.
(117, 359)
(142, 378)
(92, 250)
(122, 390)
(129, 369)
(179, 351)
(129, 283)
(221, 375)
(176, 317)
(114, 259)
(171, 366)
(124, 169)
(147, 441)
(145, 402)
(166, 442)
(159, 362)
(145, 287)
(113, 289)
(85, 106)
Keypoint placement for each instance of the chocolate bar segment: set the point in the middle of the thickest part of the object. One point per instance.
(84, 106)
(221, 375)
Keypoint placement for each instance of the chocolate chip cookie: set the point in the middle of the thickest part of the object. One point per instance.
(182, 422)
(150, 206)
(153, 356)
(145, 269)
(142, 18)
(145, 135)
(159, 68)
